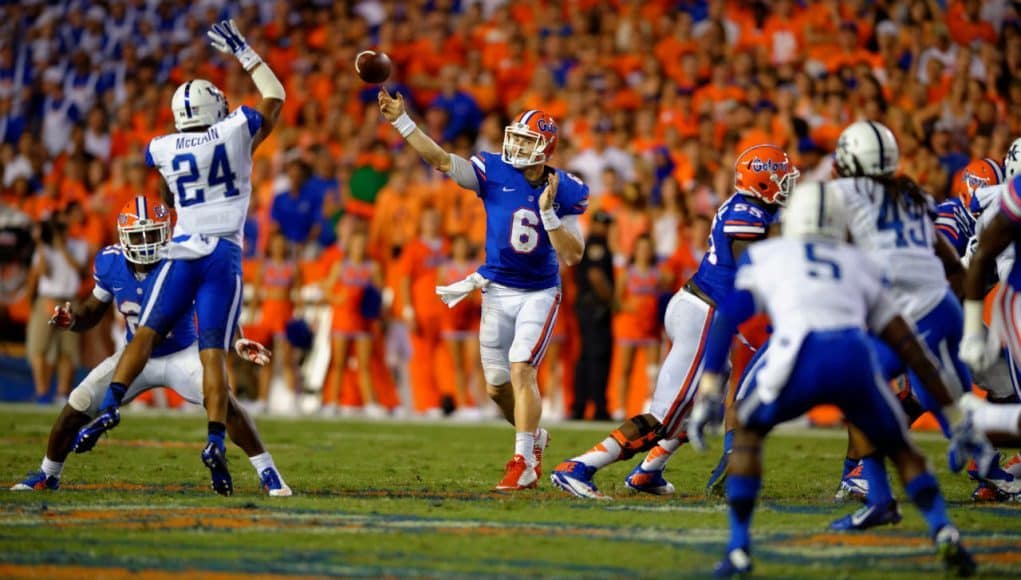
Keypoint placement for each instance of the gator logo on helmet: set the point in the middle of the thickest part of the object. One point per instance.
(768, 165)
(546, 126)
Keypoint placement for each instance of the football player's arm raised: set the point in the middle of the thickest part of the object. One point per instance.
(393, 111)
(226, 37)
(564, 234)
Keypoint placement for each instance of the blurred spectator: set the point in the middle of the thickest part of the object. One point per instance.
(460, 331)
(279, 279)
(297, 212)
(58, 266)
(463, 113)
(594, 309)
(636, 324)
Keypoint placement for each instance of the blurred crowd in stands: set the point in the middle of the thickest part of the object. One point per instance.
(654, 99)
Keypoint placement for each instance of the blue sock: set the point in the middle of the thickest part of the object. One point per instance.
(924, 491)
(849, 465)
(114, 396)
(873, 469)
(216, 433)
(728, 441)
(741, 493)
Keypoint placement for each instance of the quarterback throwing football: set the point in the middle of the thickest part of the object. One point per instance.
(532, 214)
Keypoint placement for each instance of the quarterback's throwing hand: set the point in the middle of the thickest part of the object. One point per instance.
(550, 193)
(252, 351)
(391, 107)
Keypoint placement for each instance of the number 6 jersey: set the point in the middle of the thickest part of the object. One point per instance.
(116, 280)
(519, 253)
(209, 174)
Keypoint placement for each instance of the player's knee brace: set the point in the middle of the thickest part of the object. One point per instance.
(80, 400)
(643, 434)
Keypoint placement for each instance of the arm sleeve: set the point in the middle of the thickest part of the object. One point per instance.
(573, 195)
(465, 173)
(101, 290)
(749, 223)
(253, 118)
(1010, 201)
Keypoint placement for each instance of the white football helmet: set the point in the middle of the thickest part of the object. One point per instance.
(1012, 161)
(815, 210)
(198, 103)
(866, 148)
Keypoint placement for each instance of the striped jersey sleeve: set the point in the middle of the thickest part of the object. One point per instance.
(955, 223)
(745, 221)
(1010, 201)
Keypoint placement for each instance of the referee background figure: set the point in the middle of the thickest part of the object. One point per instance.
(594, 308)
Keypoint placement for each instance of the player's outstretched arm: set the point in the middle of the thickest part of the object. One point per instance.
(81, 318)
(225, 37)
(902, 339)
(994, 239)
(394, 112)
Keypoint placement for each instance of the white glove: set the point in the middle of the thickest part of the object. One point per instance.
(458, 291)
(975, 352)
(965, 442)
(707, 411)
(62, 317)
(252, 351)
(226, 37)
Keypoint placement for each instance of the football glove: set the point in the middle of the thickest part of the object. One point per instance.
(252, 351)
(965, 442)
(707, 411)
(976, 353)
(62, 317)
(225, 37)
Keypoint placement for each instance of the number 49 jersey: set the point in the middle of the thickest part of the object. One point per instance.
(117, 281)
(519, 253)
(899, 236)
(209, 174)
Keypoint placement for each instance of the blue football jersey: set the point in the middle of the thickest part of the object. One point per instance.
(116, 280)
(738, 218)
(519, 253)
(956, 223)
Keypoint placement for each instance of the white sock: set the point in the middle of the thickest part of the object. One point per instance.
(524, 444)
(660, 454)
(261, 461)
(52, 468)
(602, 454)
(997, 419)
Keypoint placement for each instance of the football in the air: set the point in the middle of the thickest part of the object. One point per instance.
(373, 67)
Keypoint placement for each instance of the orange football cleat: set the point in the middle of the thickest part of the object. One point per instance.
(517, 475)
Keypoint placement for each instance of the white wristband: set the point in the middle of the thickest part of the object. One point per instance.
(248, 58)
(404, 125)
(973, 324)
(550, 220)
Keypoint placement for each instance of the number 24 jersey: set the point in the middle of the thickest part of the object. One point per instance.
(209, 174)
(519, 253)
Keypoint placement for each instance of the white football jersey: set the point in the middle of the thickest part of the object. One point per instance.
(808, 286)
(209, 174)
(989, 201)
(900, 239)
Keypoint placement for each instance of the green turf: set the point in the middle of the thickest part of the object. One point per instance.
(392, 499)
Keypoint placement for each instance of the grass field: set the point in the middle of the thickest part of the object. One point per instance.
(403, 499)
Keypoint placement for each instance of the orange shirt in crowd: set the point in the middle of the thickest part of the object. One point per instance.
(420, 261)
(639, 300)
